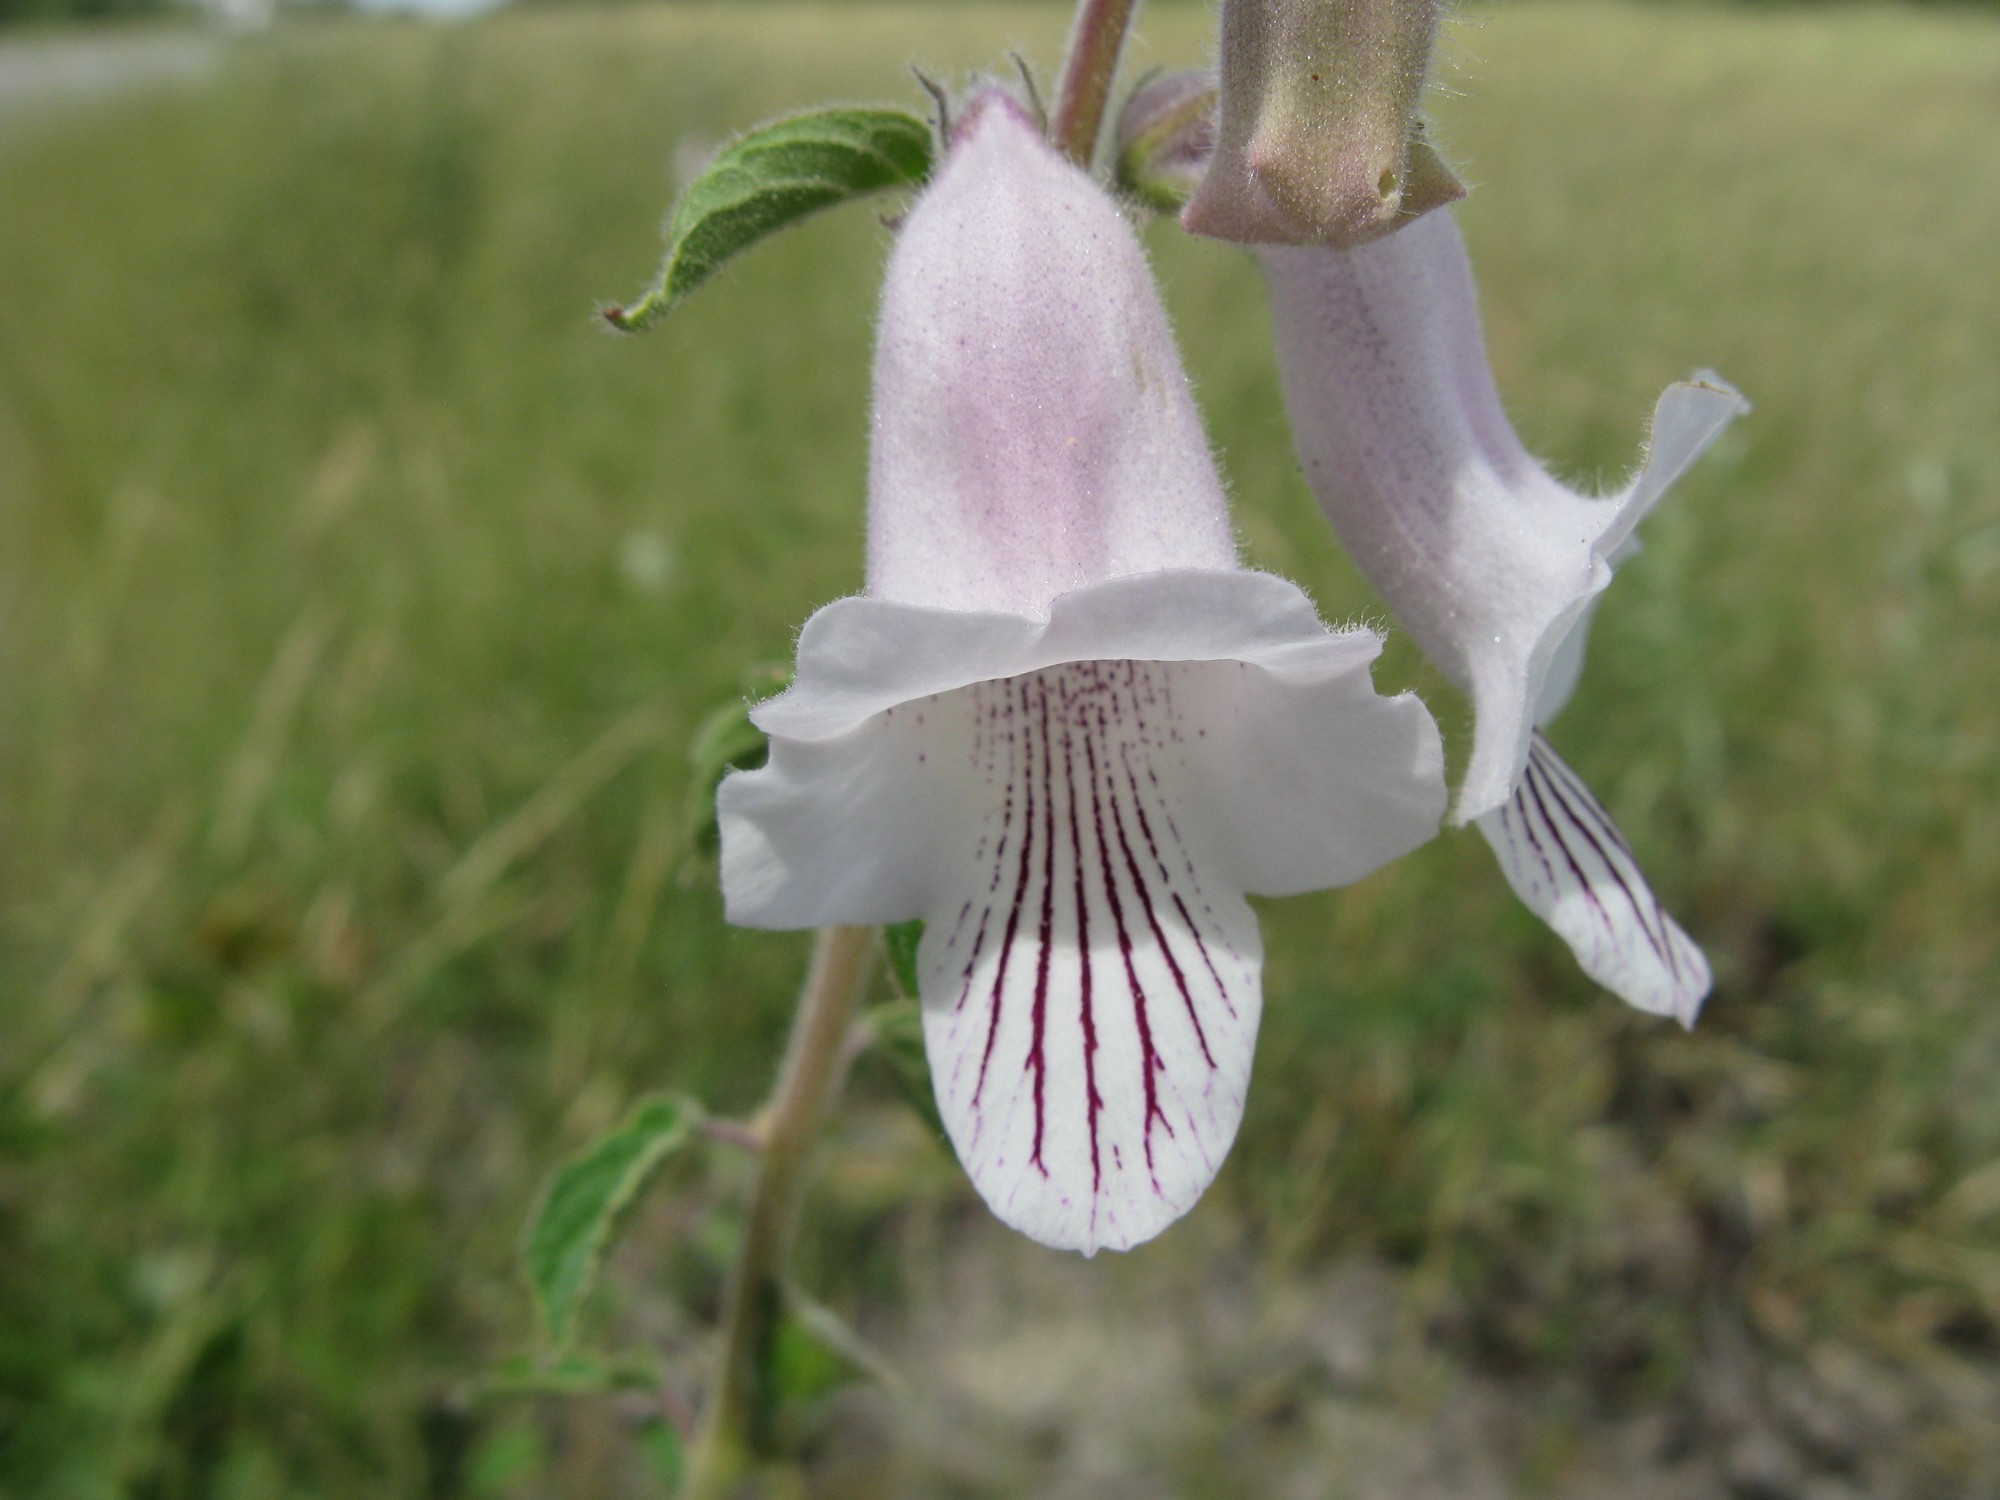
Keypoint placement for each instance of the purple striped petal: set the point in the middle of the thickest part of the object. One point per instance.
(1569, 863)
(1077, 823)
(1091, 1005)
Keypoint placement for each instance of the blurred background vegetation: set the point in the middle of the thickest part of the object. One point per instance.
(359, 597)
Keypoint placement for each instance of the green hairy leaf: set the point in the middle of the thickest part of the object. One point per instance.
(725, 741)
(588, 1197)
(771, 178)
(901, 942)
(665, 1454)
(898, 1033)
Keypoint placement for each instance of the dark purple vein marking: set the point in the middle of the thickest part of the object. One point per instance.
(1093, 1102)
(1174, 832)
(1006, 806)
(1516, 811)
(1038, 1062)
(1581, 804)
(1167, 882)
(1569, 858)
(972, 962)
(1150, 1061)
(1656, 941)
(1013, 921)
(987, 911)
(1543, 754)
(1153, 918)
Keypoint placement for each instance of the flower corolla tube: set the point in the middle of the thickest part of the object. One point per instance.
(1064, 726)
(1492, 565)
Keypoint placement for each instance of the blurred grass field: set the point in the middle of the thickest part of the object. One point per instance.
(359, 595)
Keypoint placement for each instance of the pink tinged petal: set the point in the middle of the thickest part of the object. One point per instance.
(1484, 558)
(1033, 431)
(1571, 866)
(1075, 807)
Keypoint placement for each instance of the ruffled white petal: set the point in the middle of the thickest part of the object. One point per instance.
(1485, 559)
(1033, 431)
(1569, 863)
(1075, 807)
(1312, 780)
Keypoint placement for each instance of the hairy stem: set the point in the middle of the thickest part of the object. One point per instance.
(788, 1126)
(1095, 42)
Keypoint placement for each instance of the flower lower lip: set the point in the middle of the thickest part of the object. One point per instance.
(1102, 1002)
(1076, 807)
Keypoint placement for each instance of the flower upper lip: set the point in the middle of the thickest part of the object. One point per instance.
(864, 657)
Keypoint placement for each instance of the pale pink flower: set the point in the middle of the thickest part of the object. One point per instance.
(1492, 565)
(1065, 727)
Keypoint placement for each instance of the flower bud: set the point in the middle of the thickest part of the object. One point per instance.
(1319, 140)
(1165, 135)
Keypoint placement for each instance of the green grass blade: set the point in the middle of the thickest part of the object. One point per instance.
(770, 179)
(589, 1196)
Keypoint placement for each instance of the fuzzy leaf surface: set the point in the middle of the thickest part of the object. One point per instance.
(589, 1196)
(900, 942)
(769, 179)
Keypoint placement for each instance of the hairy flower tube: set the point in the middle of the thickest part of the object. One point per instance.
(1064, 726)
(1490, 563)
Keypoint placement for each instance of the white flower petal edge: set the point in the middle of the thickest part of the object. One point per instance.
(1076, 807)
(1486, 560)
(1571, 866)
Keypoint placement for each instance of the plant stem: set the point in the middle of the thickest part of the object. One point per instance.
(788, 1125)
(1095, 42)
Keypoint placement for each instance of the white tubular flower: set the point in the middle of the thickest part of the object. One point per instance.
(1065, 727)
(1490, 564)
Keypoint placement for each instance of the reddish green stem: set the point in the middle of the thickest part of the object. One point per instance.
(787, 1128)
(1096, 42)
